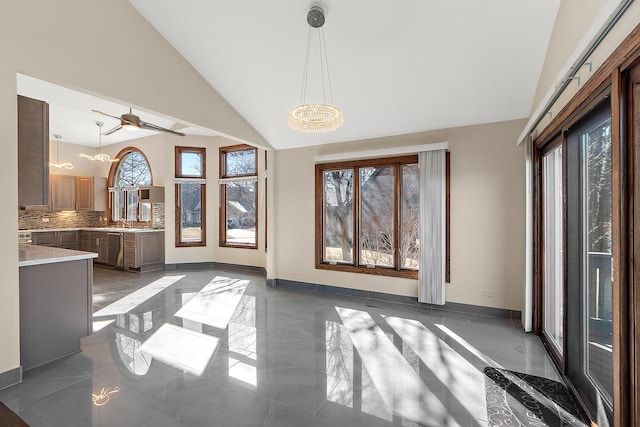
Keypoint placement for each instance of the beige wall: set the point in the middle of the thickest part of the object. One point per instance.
(70, 153)
(572, 21)
(487, 215)
(160, 151)
(73, 43)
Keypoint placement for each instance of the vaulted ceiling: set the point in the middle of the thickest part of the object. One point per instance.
(396, 66)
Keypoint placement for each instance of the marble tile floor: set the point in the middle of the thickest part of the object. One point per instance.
(281, 356)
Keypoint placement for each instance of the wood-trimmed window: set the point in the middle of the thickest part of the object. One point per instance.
(367, 216)
(190, 190)
(125, 177)
(239, 196)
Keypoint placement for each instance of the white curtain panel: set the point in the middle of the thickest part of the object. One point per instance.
(527, 314)
(431, 276)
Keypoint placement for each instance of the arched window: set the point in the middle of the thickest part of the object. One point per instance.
(125, 178)
(132, 170)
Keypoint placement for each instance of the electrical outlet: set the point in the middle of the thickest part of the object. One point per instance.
(45, 219)
(486, 293)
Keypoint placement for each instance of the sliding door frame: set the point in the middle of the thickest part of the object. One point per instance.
(610, 80)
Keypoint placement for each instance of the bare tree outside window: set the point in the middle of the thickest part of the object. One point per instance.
(338, 233)
(190, 196)
(377, 228)
(368, 216)
(133, 170)
(238, 214)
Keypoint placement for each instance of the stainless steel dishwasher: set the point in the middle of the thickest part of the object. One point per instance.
(116, 250)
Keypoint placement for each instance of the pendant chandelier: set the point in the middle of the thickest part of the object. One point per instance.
(316, 118)
(99, 157)
(57, 164)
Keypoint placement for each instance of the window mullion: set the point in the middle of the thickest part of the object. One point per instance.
(356, 216)
(397, 188)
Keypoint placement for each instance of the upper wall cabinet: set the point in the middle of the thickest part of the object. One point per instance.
(78, 193)
(33, 153)
(63, 192)
(84, 193)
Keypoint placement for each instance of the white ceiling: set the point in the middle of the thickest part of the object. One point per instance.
(70, 115)
(396, 66)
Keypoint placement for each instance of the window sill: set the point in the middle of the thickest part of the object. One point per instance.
(227, 245)
(378, 271)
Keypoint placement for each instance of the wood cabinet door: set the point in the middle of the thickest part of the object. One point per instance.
(84, 193)
(63, 194)
(33, 152)
(102, 246)
(68, 239)
(43, 238)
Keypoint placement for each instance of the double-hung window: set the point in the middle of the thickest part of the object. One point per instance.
(190, 202)
(239, 196)
(367, 216)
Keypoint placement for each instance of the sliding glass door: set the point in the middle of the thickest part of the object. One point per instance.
(589, 352)
(553, 327)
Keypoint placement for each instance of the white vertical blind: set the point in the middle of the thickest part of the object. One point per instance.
(527, 313)
(431, 276)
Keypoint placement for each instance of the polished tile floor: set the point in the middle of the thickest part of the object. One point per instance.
(219, 348)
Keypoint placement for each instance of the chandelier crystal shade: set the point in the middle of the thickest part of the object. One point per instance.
(316, 117)
(104, 158)
(57, 164)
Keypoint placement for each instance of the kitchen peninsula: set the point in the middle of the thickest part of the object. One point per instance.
(55, 302)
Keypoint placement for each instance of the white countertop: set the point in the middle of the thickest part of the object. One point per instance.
(36, 255)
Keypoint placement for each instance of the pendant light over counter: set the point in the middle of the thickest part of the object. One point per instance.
(57, 164)
(99, 157)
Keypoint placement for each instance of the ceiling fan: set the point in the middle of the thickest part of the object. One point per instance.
(130, 121)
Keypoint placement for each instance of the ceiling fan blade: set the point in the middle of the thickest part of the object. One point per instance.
(151, 126)
(105, 114)
(110, 131)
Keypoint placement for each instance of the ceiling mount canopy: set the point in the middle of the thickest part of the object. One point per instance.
(316, 117)
(99, 157)
(57, 164)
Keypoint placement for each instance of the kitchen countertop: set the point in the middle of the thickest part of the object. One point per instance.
(108, 229)
(37, 255)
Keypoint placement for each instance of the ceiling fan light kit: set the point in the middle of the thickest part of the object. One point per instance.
(316, 117)
(57, 164)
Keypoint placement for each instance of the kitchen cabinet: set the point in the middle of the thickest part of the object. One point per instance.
(78, 193)
(144, 250)
(55, 305)
(43, 238)
(60, 239)
(85, 199)
(33, 153)
(100, 194)
(96, 241)
(63, 192)
(68, 239)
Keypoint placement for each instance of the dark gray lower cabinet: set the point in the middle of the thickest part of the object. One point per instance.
(59, 239)
(55, 310)
(96, 241)
(144, 251)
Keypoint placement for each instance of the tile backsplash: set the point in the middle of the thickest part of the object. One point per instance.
(158, 215)
(33, 220)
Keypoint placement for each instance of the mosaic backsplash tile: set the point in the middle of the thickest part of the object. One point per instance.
(158, 215)
(32, 220)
